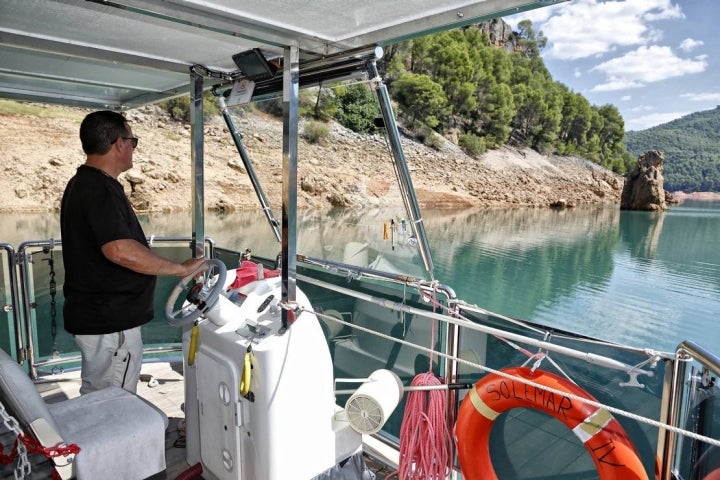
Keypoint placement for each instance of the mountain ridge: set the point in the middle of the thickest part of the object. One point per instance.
(691, 145)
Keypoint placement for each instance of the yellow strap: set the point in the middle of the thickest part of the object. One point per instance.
(193, 344)
(245, 378)
(592, 425)
(481, 406)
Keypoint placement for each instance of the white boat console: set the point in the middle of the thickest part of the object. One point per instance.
(277, 421)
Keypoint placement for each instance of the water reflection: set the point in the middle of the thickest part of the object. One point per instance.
(514, 261)
(641, 232)
(622, 276)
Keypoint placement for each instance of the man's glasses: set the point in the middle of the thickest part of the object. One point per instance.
(133, 139)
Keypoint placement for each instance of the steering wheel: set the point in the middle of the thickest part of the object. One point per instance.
(201, 294)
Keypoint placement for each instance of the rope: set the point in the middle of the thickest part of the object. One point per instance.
(425, 442)
(624, 413)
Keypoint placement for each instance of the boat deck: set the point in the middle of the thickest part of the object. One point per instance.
(167, 394)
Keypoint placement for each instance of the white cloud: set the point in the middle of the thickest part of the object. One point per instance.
(612, 85)
(577, 73)
(580, 29)
(702, 97)
(645, 65)
(662, 10)
(647, 121)
(626, 98)
(690, 44)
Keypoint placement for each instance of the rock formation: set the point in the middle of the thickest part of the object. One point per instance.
(500, 34)
(643, 189)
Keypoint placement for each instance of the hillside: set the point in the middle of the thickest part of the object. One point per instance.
(40, 150)
(691, 145)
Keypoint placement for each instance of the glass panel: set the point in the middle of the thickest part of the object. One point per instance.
(7, 325)
(697, 459)
(52, 343)
(46, 275)
(525, 443)
(357, 354)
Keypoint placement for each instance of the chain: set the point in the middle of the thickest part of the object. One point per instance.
(22, 469)
(59, 450)
(53, 305)
(24, 443)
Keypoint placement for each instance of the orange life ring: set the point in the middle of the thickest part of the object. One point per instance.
(714, 475)
(609, 446)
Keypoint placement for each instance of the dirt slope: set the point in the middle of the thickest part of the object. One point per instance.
(40, 153)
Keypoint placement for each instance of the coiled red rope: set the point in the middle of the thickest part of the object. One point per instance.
(425, 441)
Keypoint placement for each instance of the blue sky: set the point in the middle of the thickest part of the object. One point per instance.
(655, 60)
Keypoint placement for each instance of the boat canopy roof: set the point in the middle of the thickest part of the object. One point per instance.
(127, 53)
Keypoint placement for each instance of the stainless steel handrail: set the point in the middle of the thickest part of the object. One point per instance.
(247, 162)
(674, 390)
(402, 171)
(26, 283)
(702, 355)
(14, 297)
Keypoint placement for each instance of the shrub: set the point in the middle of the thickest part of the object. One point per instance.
(315, 132)
(357, 108)
(472, 144)
(179, 107)
(273, 106)
(318, 103)
(434, 140)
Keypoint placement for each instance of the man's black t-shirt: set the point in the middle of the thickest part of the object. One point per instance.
(100, 296)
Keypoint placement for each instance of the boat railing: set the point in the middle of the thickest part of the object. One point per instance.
(12, 328)
(35, 274)
(708, 359)
(688, 395)
(673, 387)
(644, 370)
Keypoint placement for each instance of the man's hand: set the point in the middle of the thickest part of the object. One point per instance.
(190, 266)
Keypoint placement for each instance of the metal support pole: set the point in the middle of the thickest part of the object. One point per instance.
(401, 169)
(670, 413)
(237, 138)
(450, 372)
(197, 175)
(291, 85)
(12, 280)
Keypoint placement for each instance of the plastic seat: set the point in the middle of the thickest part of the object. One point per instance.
(120, 435)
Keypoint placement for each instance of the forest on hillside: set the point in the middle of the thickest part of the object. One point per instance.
(483, 94)
(691, 146)
(459, 85)
(458, 81)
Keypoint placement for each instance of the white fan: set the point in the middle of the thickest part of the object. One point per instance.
(370, 407)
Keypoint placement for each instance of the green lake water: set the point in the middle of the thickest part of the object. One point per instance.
(638, 278)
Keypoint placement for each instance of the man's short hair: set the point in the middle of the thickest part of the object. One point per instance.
(100, 129)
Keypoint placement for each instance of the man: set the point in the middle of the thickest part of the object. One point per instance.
(109, 268)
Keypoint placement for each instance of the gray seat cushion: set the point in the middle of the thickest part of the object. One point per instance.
(120, 435)
(19, 395)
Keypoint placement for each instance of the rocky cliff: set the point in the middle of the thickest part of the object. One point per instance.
(643, 189)
(41, 152)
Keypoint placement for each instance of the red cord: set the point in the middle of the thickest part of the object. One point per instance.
(425, 442)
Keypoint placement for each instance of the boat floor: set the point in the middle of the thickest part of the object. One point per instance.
(168, 394)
